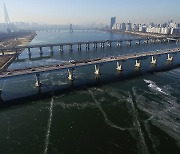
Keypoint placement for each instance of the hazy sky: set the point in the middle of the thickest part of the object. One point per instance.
(90, 11)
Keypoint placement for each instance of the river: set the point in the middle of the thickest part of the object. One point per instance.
(129, 112)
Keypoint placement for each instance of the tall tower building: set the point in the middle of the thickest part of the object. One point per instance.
(71, 28)
(113, 21)
(7, 21)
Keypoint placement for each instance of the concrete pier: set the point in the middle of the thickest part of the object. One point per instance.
(29, 51)
(153, 60)
(97, 70)
(119, 43)
(40, 50)
(38, 82)
(79, 47)
(51, 49)
(138, 63)
(70, 74)
(87, 46)
(109, 44)
(95, 45)
(129, 43)
(138, 42)
(70, 47)
(102, 45)
(170, 58)
(61, 48)
(119, 66)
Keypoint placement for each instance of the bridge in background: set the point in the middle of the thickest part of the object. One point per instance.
(101, 43)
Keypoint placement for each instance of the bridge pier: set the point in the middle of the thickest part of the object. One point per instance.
(87, 46)
(29, 51)
(95, 45)
(29, 56)
(119, 43)
(97, 70)
(153, 60)
(51, 49)
(70, 47)
(129, 43)
(40, 50)
(38, 82)
(146, 42)
(61, 48)
(170, 58)
(3, 53)
(70, 74)
(138, 63)
(102, 44)
(153, 41)
(138, 42)
(109, 44)
(119, 66)
(79, 47)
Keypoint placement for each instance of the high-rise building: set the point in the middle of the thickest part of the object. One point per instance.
(123, 26)
(113, 21)
(71, 28)
(7, 21)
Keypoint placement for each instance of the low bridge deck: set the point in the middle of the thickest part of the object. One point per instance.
(74, 64)
(85, 42)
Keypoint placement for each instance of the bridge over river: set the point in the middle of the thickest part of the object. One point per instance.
(71, 65)
(101, 43)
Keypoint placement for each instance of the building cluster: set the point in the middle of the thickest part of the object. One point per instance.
(164, 28)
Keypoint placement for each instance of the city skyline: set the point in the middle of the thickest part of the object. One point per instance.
(90, 12)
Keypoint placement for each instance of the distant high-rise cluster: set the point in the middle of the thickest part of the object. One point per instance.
(167, 28)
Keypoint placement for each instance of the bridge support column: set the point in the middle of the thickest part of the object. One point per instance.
(51, 49)
(38, 82)
(95, 45)
(70, 47)
(147, 41)
(170, 58)
(119, 44)
(153, 60)
(87, 46)
(61, 48)
(129, 43)
(70, 74)
(102, 45)
(109, 44)
(138, 42)
(40, 50)
(138, 63)
(153, 41)
(3, 53)
(29, 51)
(119, 66)
(97, 70)
(79, 47)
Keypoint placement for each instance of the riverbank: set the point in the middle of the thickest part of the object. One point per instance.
(141, 34)
(19, 40)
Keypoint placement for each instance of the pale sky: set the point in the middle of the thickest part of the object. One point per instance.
(90, 11)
